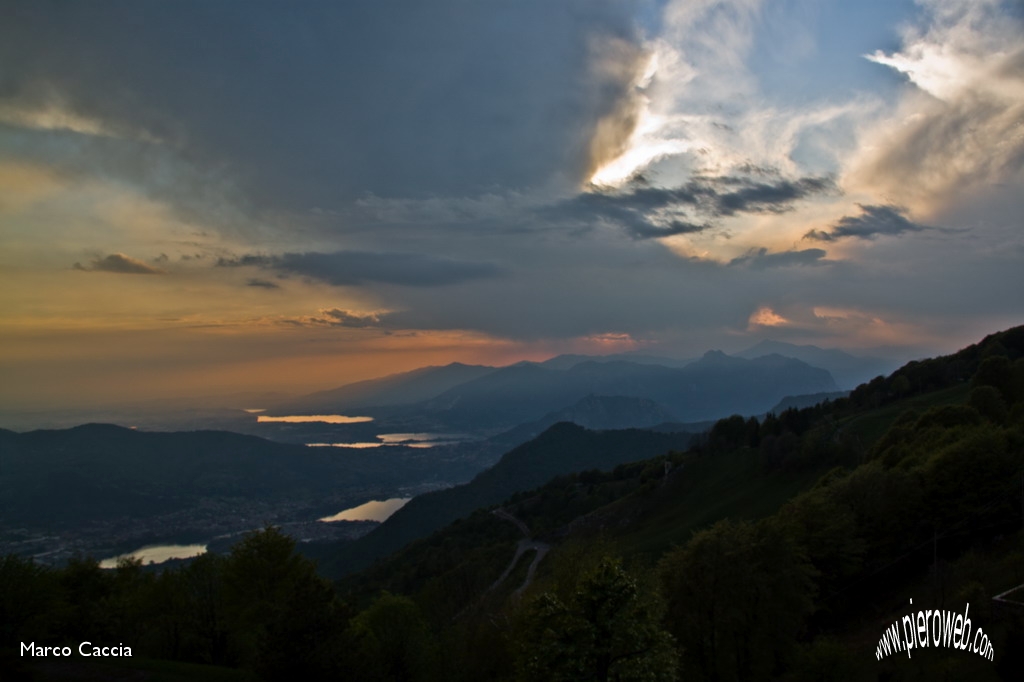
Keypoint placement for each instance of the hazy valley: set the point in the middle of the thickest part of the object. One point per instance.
(103, 490)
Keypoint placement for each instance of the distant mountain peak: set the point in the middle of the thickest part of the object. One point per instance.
(717, 359)
(848, 370)
(95, 427)
(770, 346)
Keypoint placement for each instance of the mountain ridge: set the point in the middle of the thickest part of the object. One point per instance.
(714, 386)
(848, 370)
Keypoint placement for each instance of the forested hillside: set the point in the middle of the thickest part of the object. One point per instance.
(562, 449)
(774, 549)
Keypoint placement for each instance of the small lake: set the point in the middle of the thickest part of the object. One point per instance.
(421, 439)
(357, 446)
(374, 510)
(314, 418)
(157, 554)
(408, 440)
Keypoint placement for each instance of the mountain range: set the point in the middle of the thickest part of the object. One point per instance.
(479, 398)
(92, 473)
(849, 371)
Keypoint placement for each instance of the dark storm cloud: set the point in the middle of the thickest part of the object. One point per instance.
(629, 211)
(246, 260)
(649, 231)
(636, 209)
(764, 197)
(759, 259)
(721, 196)
(261, 283)
(872, 222)
(120, 264)
(350, 268)
(312, 106)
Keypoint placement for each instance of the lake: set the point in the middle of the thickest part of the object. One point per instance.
(313, 418)
(408, 440)
(421, 439)
(344, 445)
(374, 510)
(157, 554)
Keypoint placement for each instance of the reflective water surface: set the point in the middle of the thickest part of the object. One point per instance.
(374, 510)
(157, 554)
(323, 418)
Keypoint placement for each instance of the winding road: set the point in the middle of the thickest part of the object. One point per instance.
(525, 545)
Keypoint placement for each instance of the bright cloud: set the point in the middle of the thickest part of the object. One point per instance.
(766, 317)
(959, 128)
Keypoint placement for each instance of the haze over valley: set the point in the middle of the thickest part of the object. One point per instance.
(103, 490)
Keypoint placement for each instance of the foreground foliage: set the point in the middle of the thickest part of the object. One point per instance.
(605, 630)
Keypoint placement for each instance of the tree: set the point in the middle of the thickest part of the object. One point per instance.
(126, 605)
(900, 386)
(391, 641)
(277, 607)
(607, 630)
(28, 600)
(200, 590)
(826, 529)
(989, 402)
(729, 433)
(86, 588)
(737, 595)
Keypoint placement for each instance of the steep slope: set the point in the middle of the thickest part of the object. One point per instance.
(561, 449)
(595, 412)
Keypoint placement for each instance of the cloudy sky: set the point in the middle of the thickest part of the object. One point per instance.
(206, 198)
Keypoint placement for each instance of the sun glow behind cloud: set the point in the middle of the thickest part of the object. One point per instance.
(646, 143)
(700, 113)
(643, 149)
(955, 131)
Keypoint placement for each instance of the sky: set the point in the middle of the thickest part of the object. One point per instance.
(211, 198)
